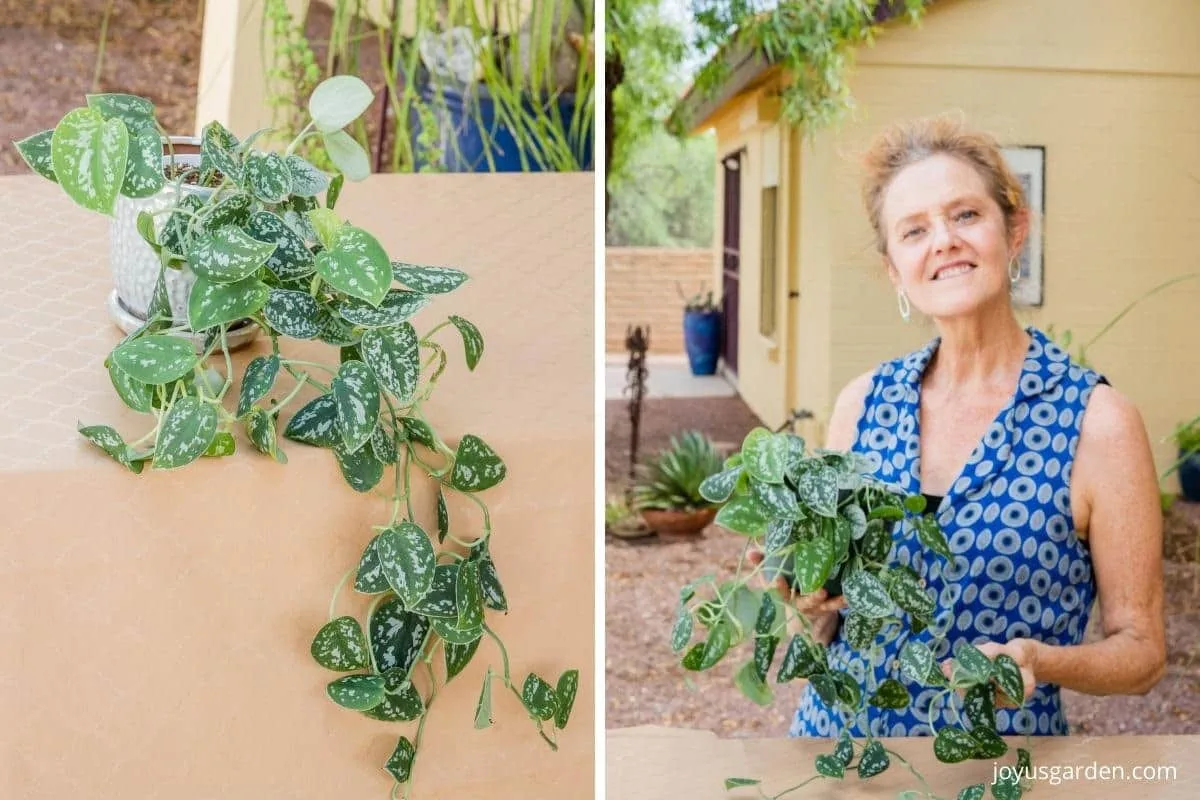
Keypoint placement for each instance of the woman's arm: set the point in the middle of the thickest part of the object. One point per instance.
(1117, 486)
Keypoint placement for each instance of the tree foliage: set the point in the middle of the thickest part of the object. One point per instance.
(663, 196)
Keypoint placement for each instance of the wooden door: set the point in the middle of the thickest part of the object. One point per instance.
(731, 260)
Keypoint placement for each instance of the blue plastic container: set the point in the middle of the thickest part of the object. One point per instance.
(470, 131)
(1189, 478)
(702, 339)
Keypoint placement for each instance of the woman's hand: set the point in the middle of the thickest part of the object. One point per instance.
(820, 609)
(1022, 651)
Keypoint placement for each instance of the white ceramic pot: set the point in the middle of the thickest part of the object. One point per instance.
(134, 264)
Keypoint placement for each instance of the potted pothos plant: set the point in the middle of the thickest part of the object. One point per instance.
(262, 246)
(667, 492)
(820, 520)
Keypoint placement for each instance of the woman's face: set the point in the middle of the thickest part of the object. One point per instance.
(947, 246)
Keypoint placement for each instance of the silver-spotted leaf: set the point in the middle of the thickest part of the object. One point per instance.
(748, 681)
(441, 601)
(818, 488)
(401, 700)
(135, 394)
(188, 428)
(743, 514)
(223, 444)
(357, 397)
(564, 692)
(211, 304)
(779, 500)
(291, 258)
(930, 535)
(260, 428)
(1008, 675)
(267, 177)
(973, 792)
(383, 444)
(398, 306)
(489, 580)
(800, 660)
(108, 440)
(476, 466)
(469, 595)
(916, 661)
(356, 692)
(910, 595)
(681, 631)
(393, 355)
(218, 151)
(539, 697)
(306, 180)
(357, 265)
(136, 112)
(829, 766)
(316, 423)
(233, 210)
(472, 340)
(227, 255)
(718, 487)
(292, 313)
(891, 694)
(866, 595)
(428, 280)
(36, 152)
(407, 558)
(457, 656)
(258, 380)
(974, 663)
(874, 759)
(341, 646)
(449, 631)
(764, 654)
(337, 332)
(988, 743)
(397, 636)
(861, 630)
(89, 154)
(370, 578)
(143, 164)
(418, 430)
(952, 745)
(764, 455)
(360, 468)
(814, 561)
(156, 359)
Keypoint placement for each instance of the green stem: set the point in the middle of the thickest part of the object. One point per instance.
(300, 384)
(228, 363)
(503, 657)
(400, 493)
(108, 9)
(291, 148)
(928, 789)
(338, 590)
(800, 785)
(426, 338)
(296, 363)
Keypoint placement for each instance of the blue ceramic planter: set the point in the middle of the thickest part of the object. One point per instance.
(1189, 478)
(702, 339)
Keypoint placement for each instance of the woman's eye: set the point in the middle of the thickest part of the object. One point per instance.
(968, 214)
(910, 233)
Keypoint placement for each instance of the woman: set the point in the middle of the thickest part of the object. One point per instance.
(1044, 505)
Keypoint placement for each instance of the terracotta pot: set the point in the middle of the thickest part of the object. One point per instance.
(679, 523)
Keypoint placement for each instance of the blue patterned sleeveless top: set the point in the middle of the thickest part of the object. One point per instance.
(1019, 569)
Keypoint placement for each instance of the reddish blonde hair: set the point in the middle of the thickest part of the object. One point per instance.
(905, 143)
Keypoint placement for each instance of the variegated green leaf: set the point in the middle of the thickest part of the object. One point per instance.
(458, 656)
(108, 440)
(681, 632)
(973, 792)
(260, 428)
(36, 152)
(383, 444)
(341, 646)
(397, 636)
(306, 180)
(428, 280)
(472, 340)
(335, 190)
(88, 155)
(397, 307)
(357, 397)
(407, 558)
(931, 537)
(476, 466)
(218, 150)
(294, 314)
(370, 578)
(449, 631)
(223, 444)
(356, 264)
(908, 593)
(718, 487)
(143, 164)
(861, 631)
(347, 155)
(417, 430)
(356, 692)
(228, 255)
(779, 500)
(891, 694)
(291, 258)
(952, 745)
(977, 666)
(360, 468)
(565, 691)
(469, 595)
(443, 516)
(233, 210)
(266, 175)
(399, 764)
(866, 595)
(257, 382)
(483, 708)
(325, 224)
(316, 423)
(211, 304)
(1008, 675)
(916, 661)
(873, 761)
(174, 235)
(539, 697)
(135, 394)
(765, 455)
(136, 112)
(813, 562)
(188, 428)
(155, 359)
(493, 592)
(401, 700)
(337, 101)
(752, 685)
(829, 766)
(818, 488)
(337, 332)
(392, 353)
(743, 514)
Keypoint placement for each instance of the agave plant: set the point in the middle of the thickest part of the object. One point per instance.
(671, 481)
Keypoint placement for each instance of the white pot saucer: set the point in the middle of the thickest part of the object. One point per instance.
(128, 322)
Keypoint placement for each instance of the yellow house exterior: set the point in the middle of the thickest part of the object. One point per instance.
(1111, 90)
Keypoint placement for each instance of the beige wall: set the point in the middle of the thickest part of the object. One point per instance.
(640, 289)
(1113, 95)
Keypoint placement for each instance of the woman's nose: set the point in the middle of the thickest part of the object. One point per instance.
(944, 236)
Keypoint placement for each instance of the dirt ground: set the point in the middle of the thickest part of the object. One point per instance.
(646, 685)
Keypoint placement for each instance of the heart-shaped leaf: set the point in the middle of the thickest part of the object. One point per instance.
(227, 256)
(476, 466)
(718, 487)
(989, 744)
(218, 151)
(428, 280)
(337, 101)
(211, 304)
(469, 595)
(857, 520)
(233, 210)
(383, 444)
(89, 155)
(539, 697)
(397, 636)
(1008, 675)
(493, 592)
(977, 666)
(292, 313)
(449, 631)
(818, 488)
(136, 112)
(135, 394)
(175, 236)
(752, 686)
(813, 562)
(743, 514)
(862, 630)
(418, 430)
(290, 258)
(565, 691)
(188, 428)
(143, 164)
(973, 792)
(483, 708)
(393, 355)
(36, 152)
(891, 694)
(356, 692)
(916, 661)
(306, 180)
(356, 264)
(874, 760)
(866, 595)
(952, 745)
(441, 601)
(357, 397)
(108, 440)
(830, 767)
(370, 578)
(267, 176)
(347, 155)
(844, 751)
(399, 764)
(397, 307)
(457, 656)
(801, 660)
(825, 687)
(260, 377)
(931, 537)
(908, 593)
(407, 558)
(341, 646)
(156, 359)
(472, 340)
(765, 455)
(316, 423)
(401, 700)
(777, 499)
(360, 468)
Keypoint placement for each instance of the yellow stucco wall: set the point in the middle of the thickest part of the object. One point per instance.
(1113, 93)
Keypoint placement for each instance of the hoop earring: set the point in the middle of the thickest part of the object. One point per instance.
(1014, 271)
(902, 301)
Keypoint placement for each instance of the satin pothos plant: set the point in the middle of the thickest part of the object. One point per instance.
(267, 245)
(822, 522)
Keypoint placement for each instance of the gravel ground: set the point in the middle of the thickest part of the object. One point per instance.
(645, 684)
